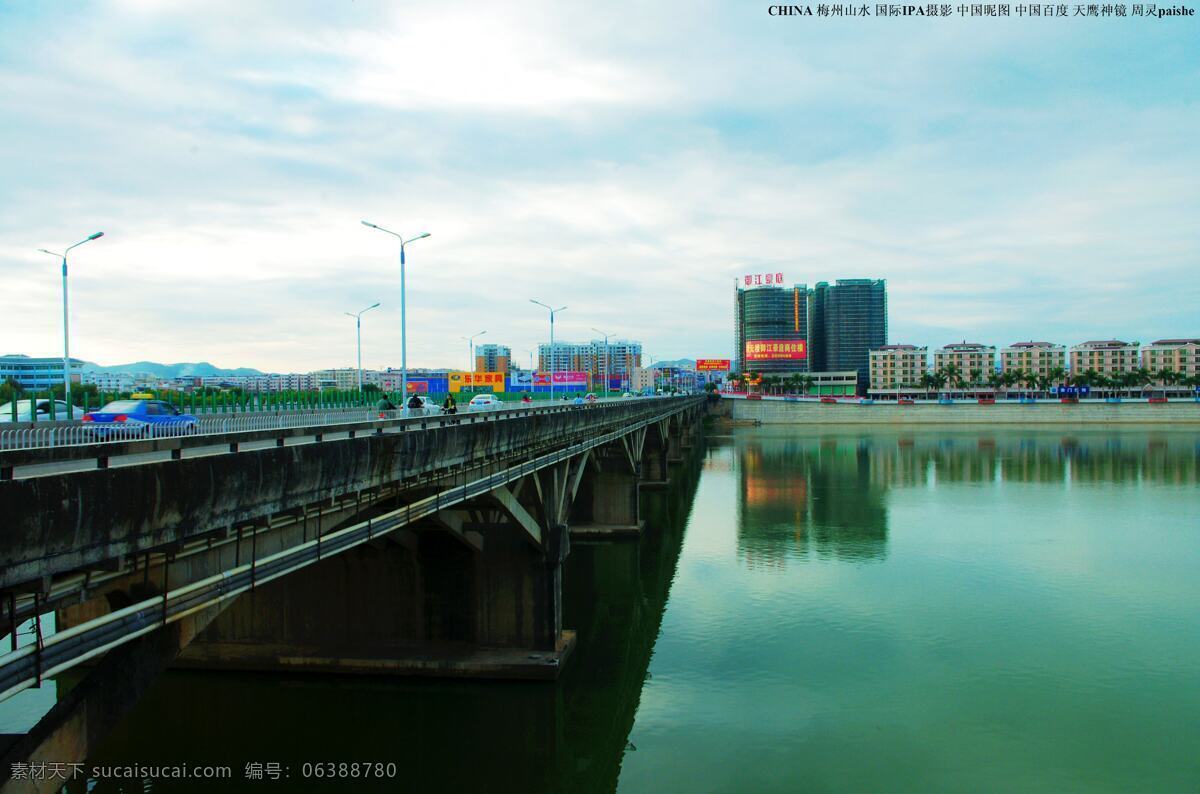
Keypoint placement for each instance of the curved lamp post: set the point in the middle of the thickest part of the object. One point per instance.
(403, 321)
(358, 334)
(66, 330)
(553, 312)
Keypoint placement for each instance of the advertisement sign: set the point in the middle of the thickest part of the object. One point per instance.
(566, 378)
(418, 387)
(476, 380)
(763, 280)
(713, 365)
(777, 350)
(1071, 391)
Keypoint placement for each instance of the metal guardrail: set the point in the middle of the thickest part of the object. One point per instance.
(86, 434)
(49, 656)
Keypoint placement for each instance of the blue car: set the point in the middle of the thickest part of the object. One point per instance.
(139, 419)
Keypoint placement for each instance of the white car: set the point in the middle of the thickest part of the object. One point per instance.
(428, 407)
(483, 402)
(41, 409)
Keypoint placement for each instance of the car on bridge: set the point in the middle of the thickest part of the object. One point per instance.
(483, 402)
(41, 411)
(139, 419)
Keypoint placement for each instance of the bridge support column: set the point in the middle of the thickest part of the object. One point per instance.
(656, 472)
(608, 506)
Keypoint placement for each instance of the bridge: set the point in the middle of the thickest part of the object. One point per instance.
(424, 545)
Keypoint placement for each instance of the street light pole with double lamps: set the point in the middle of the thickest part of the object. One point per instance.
(553, 312)
(403, 320)
(471, 349)
(602, 333)
(358, 333)
(66, 326)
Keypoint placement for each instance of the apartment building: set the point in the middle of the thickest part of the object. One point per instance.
(966, 357)
(1178, 355)
(1039, 358)
(898, 366)
(1106, 356)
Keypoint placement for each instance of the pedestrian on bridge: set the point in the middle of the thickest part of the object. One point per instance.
(449, 405)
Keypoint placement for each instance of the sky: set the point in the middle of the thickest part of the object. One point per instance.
(1010, 178)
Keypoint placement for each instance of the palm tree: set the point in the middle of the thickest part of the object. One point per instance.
(806, 383)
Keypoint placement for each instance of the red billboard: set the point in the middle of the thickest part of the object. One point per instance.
(712, 365)
(776, 350)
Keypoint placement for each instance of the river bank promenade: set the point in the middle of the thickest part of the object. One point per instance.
(1046, 412)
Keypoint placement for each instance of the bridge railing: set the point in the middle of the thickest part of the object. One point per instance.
(91, 434)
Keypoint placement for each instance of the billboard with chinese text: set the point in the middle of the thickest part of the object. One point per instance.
(763, 280)
(476, 380)
(776, 350)
(712, 365)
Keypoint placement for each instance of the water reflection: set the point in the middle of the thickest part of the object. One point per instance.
(826, 493)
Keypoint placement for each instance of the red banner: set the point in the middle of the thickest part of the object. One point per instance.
(777, 350)
(712, 365)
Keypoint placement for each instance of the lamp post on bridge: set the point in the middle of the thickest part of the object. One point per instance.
(66, 327)
(471, 349)
(358, 334)
(606, 376)
(553, 312)
(403, 320)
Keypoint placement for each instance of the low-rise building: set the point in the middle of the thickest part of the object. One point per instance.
(1177, 355)
(967, 358)
(109, 381)
(1038, 358)
(898, 366)
(37, 374)
(1105, 356)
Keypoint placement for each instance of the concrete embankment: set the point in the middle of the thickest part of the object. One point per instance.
(1041, 413)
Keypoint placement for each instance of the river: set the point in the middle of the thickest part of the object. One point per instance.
(833, 611)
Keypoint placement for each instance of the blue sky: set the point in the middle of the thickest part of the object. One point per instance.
(1012, 179)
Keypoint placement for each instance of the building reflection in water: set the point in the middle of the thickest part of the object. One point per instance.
(826, 493)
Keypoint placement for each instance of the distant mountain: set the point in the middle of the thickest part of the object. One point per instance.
(200, 369)
(679, 363)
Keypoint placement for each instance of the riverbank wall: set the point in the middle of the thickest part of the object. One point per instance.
(1041, 413)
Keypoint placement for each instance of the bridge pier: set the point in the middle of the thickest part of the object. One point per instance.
(656, 472)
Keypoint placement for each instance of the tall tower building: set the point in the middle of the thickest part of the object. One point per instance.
(849, 319)
(771, 328)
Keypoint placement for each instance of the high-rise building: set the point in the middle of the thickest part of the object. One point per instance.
(771, 329)
(849, 319)
(565, 357)
(492, 358)
(624, 356)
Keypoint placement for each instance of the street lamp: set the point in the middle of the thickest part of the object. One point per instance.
(602, 333)
(552, 313)
(403, 322)
(358, 333)
(471, 348)
(66, 329)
